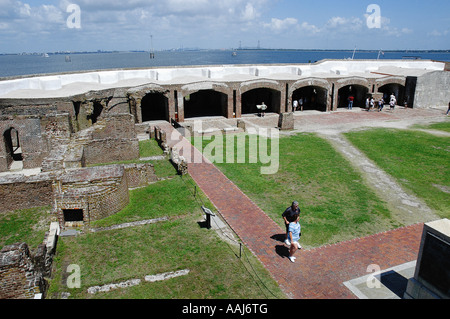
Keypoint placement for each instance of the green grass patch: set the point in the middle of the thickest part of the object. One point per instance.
(441, 126)
(171, 197)
(149, 148)
(419, 161)
(336, 204)
(25, 225)
(180, 243)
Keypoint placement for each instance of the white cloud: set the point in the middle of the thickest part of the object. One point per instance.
(305, 26)
(341, 24)
(278, 25)
(436, 33)
(249, 12)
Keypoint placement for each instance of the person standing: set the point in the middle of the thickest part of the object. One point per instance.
(294, 236)
(392, 102)
(288, 216)
(350, 102)
(448, 110)
(371, 104)
(294, 106)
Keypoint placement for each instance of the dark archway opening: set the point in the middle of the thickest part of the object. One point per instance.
(12, 146)
(359, 93)
(97, 111)
(397, 89)
(205, 103)
(154, 106)
(311, 97)
(252, 98)
(73, 215)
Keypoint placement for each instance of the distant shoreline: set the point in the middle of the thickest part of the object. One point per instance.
(228, 49)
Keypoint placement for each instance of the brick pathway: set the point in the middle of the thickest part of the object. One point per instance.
(318, 273)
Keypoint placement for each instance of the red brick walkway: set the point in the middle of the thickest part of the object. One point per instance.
(318, 273)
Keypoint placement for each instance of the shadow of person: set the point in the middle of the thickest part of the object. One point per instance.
(279, 237)
(282, 251)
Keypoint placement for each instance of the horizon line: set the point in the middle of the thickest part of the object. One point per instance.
(224, 49)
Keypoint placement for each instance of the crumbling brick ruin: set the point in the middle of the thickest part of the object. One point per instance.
(20, 274)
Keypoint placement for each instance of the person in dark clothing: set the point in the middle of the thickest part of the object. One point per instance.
(288, 216)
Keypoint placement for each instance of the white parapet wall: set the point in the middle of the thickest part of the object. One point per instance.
(121, 78)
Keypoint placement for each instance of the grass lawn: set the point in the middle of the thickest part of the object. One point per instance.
(115, 256)
(418, 160)
(336, 205)
(441, 126)
(25, 225)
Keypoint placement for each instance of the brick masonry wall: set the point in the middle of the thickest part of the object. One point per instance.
(18, 276)
(32, 140)
(98, 191)
(139, 175)
(111, 150)
(25, 192)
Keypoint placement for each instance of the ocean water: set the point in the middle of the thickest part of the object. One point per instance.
(19, 65)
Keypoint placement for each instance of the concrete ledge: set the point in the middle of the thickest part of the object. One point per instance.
(123, 77)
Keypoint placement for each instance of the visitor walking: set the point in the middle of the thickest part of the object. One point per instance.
(300, 104)
(380, 105)
(392, 102)
(448, 110)
(288, 216)
(294, 237)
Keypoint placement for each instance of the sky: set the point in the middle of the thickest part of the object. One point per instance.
(117, 25)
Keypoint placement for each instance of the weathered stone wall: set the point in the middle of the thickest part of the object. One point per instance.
(32, 140)
(113, 139)
(139, 175)
(19, 278)
(433, 89)
(111, 150)
(19, 192)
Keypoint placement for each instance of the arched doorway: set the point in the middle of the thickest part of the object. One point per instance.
(205, 103)
(96, 112)
(13, 149)
(397, 89)
(252, 98)
(312, 98)
(359, 93)
(154, 106)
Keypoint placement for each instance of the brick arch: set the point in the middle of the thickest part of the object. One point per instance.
(324, 84)
(226, 100)
(259, 84)
(390, 80)
(136, 95)
(352, 81)
(11, 143)
(201, 86)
